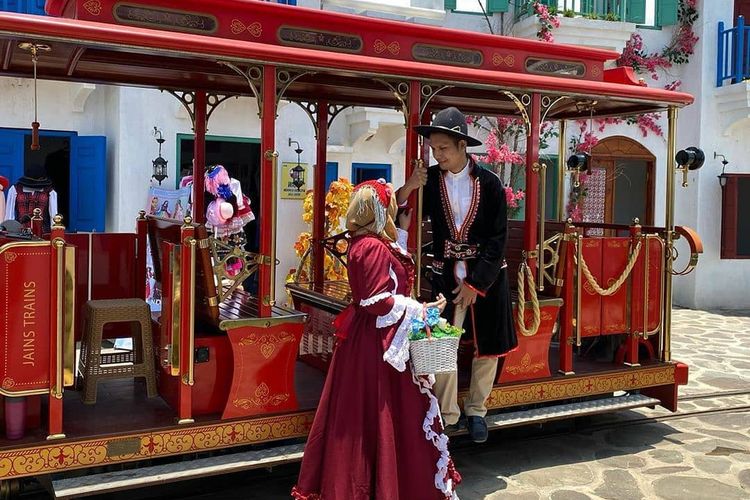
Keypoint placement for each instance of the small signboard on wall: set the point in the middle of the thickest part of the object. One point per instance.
(293, 180)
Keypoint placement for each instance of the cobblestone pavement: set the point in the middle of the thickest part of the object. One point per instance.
(689, 456)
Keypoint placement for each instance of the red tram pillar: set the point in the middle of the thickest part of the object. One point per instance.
(319, 194)
(56, 326)
(268, 174)
(199, 154)
(530, 229)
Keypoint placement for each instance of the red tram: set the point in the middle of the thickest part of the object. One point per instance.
(228, 368)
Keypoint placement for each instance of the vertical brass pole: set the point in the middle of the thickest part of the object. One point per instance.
(666, 354)
(561, 173)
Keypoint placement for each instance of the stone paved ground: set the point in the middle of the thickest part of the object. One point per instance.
(693, 458)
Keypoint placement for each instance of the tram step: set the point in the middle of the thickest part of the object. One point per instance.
(558, 412)
(180, 471)
(111, 482)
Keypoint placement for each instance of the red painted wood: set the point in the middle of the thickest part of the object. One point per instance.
(531, 359)
(614, 311)
(567, 312)
(28, 312)
(267, 146)
(264, 359)
(531, 226)
(591, 302)
(187, 312)
(213, 378)
(412, 154)
(151, 39)
(319, 193)
(199, 153)
(55, 410)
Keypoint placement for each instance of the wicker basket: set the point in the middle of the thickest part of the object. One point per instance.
(433, 355)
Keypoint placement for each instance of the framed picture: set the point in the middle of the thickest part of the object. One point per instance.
(171, 204)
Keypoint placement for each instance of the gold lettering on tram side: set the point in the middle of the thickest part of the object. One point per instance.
(29, 323)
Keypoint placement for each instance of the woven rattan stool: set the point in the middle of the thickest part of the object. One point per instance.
(94, 366)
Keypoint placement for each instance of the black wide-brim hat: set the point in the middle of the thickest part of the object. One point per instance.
(449, 121)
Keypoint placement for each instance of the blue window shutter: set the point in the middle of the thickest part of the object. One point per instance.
(635, 11)
(449, 5)
(23, 6)
(666, 12)
(497, 6)
(332, 173)
(88, 183)
(11, 154)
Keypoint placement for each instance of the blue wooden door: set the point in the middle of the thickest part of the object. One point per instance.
(88, 183)
(11, 154)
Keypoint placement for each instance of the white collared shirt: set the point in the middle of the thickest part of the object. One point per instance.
(460, 188)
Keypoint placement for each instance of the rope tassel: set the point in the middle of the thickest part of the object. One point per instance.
(612, 289)
(524, 273)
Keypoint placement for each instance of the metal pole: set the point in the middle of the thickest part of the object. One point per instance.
(532, 186)
(199, 153)
(319, 194)
(561, 173)
(669, 226)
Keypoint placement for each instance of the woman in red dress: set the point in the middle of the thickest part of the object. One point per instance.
(377, 433)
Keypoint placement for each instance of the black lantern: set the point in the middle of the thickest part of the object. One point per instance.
(297, 173)
(722, 176)
(160, 164)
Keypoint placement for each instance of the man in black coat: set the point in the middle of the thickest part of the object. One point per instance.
(467, 207)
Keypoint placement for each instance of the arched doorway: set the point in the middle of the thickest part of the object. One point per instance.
(621, 184)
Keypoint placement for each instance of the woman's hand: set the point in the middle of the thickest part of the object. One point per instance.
(404, 219)
(439, 303)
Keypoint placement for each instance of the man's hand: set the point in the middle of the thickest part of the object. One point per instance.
(417, 179)
(466, 296)
(439, 303)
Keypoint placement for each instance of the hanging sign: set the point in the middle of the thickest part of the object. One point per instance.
(293, 181)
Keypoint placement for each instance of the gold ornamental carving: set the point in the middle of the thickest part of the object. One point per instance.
(526, 366)
(499, 60)
(93, 7)
(10, 257)
(261, 399)
(380, 46)
(238, 27)
(267, 343)
(8, 383)
(553, 390)
(94, 452)
(596, 71)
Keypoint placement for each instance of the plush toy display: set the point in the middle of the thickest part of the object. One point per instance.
(230, 211)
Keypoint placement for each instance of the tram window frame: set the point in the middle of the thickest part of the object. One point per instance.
(735, 217)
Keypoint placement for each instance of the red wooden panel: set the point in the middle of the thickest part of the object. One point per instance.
(113, 266)
(591, 302)
(531, 359)
(81, 242)
(615, 306)
(213, 378)
(263, 379)
(25, 297)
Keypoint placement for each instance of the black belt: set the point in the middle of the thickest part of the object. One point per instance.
(460, 251)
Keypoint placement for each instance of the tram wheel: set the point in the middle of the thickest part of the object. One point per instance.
(10, 488)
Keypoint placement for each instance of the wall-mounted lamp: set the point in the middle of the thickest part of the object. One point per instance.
(722, 176)
(691, 158)
(297, 173)
(160, 164)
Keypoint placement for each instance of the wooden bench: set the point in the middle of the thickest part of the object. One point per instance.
(218, 356)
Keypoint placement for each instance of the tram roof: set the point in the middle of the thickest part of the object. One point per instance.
(180, 45)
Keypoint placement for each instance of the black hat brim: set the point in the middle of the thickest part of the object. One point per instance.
(427, 130)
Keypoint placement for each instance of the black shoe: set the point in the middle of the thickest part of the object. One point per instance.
(478, 429)
(453, 428)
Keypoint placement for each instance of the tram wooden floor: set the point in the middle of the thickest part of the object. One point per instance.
(122, 405)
